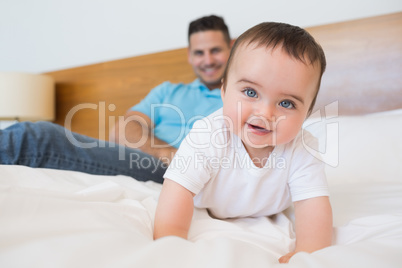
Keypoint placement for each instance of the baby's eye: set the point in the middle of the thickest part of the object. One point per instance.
(286, 104)
(250, 93)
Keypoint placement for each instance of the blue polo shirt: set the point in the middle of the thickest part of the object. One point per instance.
(175, 107)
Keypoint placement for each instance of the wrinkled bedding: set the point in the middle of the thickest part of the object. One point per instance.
(53, 218)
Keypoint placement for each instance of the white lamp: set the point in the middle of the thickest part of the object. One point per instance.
(26, 97)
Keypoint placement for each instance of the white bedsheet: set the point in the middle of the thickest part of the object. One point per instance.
(52, 218)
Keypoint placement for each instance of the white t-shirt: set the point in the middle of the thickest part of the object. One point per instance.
(213, 163)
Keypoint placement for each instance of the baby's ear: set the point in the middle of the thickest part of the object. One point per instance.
(232, 42)
(222, 90)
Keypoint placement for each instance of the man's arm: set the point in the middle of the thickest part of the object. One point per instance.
(174, 211)
(313, 225)
(136, 131)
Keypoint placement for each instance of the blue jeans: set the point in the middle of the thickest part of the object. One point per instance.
(48, 145)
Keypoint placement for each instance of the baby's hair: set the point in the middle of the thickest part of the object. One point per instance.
(295, 41)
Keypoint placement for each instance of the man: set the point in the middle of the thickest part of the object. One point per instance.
(153, 129)
(208, 52)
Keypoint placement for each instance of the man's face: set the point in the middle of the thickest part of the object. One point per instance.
(208, 53)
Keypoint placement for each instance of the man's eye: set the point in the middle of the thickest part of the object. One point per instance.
(250, 93)
(286, 104)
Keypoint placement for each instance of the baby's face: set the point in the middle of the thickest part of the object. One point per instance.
(267, 97)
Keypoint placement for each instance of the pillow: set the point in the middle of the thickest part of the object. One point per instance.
(366, 148)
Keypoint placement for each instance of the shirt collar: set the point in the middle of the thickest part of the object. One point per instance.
(216, 91)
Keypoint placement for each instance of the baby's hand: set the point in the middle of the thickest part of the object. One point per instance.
(286, 258)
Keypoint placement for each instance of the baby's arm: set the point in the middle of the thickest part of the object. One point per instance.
(174, 211)
(313, 225)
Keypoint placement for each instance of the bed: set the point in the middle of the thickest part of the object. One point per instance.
(55, 218)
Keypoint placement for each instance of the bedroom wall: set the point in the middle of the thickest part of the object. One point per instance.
(44, 35)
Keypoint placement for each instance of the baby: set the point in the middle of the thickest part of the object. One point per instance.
(247, 159)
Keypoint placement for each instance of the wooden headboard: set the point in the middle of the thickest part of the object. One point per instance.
(364, 74)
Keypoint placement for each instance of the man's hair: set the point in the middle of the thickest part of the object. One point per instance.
(295, 41)
(209, 23)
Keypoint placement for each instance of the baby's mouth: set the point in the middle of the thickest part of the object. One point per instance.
(258, 129)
